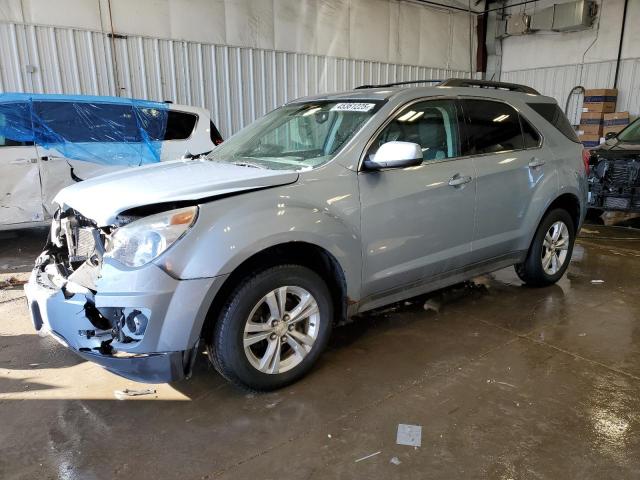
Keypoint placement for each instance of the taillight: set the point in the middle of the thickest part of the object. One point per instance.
(586, 154)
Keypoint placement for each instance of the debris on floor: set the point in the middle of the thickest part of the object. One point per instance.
(395, 461)
(597, 281)
(369, 456)
(432, 304)
(11, 282)
(123, 394)
(410, 435)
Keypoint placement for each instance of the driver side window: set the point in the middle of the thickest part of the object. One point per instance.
(432, 124)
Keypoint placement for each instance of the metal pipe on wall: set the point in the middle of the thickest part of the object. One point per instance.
(624, 21)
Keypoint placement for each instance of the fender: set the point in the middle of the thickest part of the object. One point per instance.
(321, 211)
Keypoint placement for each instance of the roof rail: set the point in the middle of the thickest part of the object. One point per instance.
(465, 82)
(393, 84)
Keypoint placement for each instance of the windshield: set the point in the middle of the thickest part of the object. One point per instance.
(300, 136)
(631, 134)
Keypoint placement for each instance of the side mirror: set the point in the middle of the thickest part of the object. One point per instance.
(395, 155)
(610, 135)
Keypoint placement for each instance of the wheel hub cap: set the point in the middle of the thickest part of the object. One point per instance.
(281, 329)
(555, 247)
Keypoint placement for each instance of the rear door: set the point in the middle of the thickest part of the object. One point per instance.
(20, 200)
(417, 222)
(509, 159)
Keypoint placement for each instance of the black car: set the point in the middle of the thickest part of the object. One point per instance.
(614, 179)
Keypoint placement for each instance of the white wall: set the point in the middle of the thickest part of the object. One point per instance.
(597, 44)
(554, 63)
(237, 58)
(391, 31)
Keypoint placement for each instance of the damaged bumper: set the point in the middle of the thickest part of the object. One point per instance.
(140, 323)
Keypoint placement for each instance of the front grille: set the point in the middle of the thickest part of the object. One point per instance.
(616, 203)
(84, 245)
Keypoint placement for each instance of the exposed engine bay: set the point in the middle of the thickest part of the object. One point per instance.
(71, 263)
(614, 182)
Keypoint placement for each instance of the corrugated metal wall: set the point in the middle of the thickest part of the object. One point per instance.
(235, 84)
(558, 81)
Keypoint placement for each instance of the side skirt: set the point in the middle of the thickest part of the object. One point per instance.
(437, 282)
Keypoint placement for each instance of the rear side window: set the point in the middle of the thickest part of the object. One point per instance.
(491, 127)
(551, 113)
(180, 125)
(532, 138)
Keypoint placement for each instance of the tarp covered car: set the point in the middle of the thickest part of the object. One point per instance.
(50, 141)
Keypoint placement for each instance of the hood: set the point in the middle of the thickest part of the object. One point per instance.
(103, 198)
(615, 146)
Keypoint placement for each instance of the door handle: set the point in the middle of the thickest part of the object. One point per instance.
(536, 162)
(457, 180)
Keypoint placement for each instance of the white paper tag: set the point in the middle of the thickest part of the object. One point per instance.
(352, 107)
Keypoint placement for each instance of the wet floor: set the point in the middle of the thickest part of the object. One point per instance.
(507, 383)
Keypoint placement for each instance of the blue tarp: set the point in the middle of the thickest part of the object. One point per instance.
(103, 130)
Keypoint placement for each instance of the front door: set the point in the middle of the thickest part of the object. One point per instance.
(417, 222)
(20, 200)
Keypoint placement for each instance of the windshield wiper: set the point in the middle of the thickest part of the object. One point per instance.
(248, 164)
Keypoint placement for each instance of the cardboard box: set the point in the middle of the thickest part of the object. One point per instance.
(590, 129)
(590, 141)
(592, 118)
(603, 107)
(600, 95)
(615, 119)
(600, 100)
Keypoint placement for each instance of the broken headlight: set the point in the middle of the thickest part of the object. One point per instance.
(139, 242)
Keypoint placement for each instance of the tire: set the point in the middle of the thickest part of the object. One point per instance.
(532, 271)
(280, 349)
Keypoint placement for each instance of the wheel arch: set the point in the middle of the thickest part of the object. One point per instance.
(306, 254)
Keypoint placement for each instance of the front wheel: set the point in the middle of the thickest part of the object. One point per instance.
(550, 251)
(273, 328)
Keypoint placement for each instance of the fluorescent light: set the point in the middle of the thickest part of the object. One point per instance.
(311, 112)
(407, 116)
(415, 117)
(501, 118)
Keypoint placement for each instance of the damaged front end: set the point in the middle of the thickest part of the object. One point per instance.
(614, 181)
(96, 308)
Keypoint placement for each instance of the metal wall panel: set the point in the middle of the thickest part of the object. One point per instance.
(235, 84)
(558, 81)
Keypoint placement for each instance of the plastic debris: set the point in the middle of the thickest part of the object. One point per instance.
(395, 461)
(328, 435)
(597, 281)
(369, 456)
(410, 435)
(123, 394)
(582, 334)
(431, 304)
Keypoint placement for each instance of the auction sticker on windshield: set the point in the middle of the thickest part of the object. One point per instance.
(352, 107)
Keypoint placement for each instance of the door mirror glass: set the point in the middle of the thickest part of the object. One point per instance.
(395, 155)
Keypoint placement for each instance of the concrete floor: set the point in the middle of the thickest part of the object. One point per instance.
(507, 383)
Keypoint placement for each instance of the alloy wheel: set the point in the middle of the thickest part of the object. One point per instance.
(555, 247)
(281, 329)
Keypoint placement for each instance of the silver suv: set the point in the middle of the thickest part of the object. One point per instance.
(326, 207)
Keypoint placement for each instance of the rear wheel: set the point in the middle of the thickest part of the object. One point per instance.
(273, 328)
(550, 251)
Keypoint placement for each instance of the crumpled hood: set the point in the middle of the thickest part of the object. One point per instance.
(101, 199)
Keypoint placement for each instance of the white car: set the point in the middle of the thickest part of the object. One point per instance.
(48, 142)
